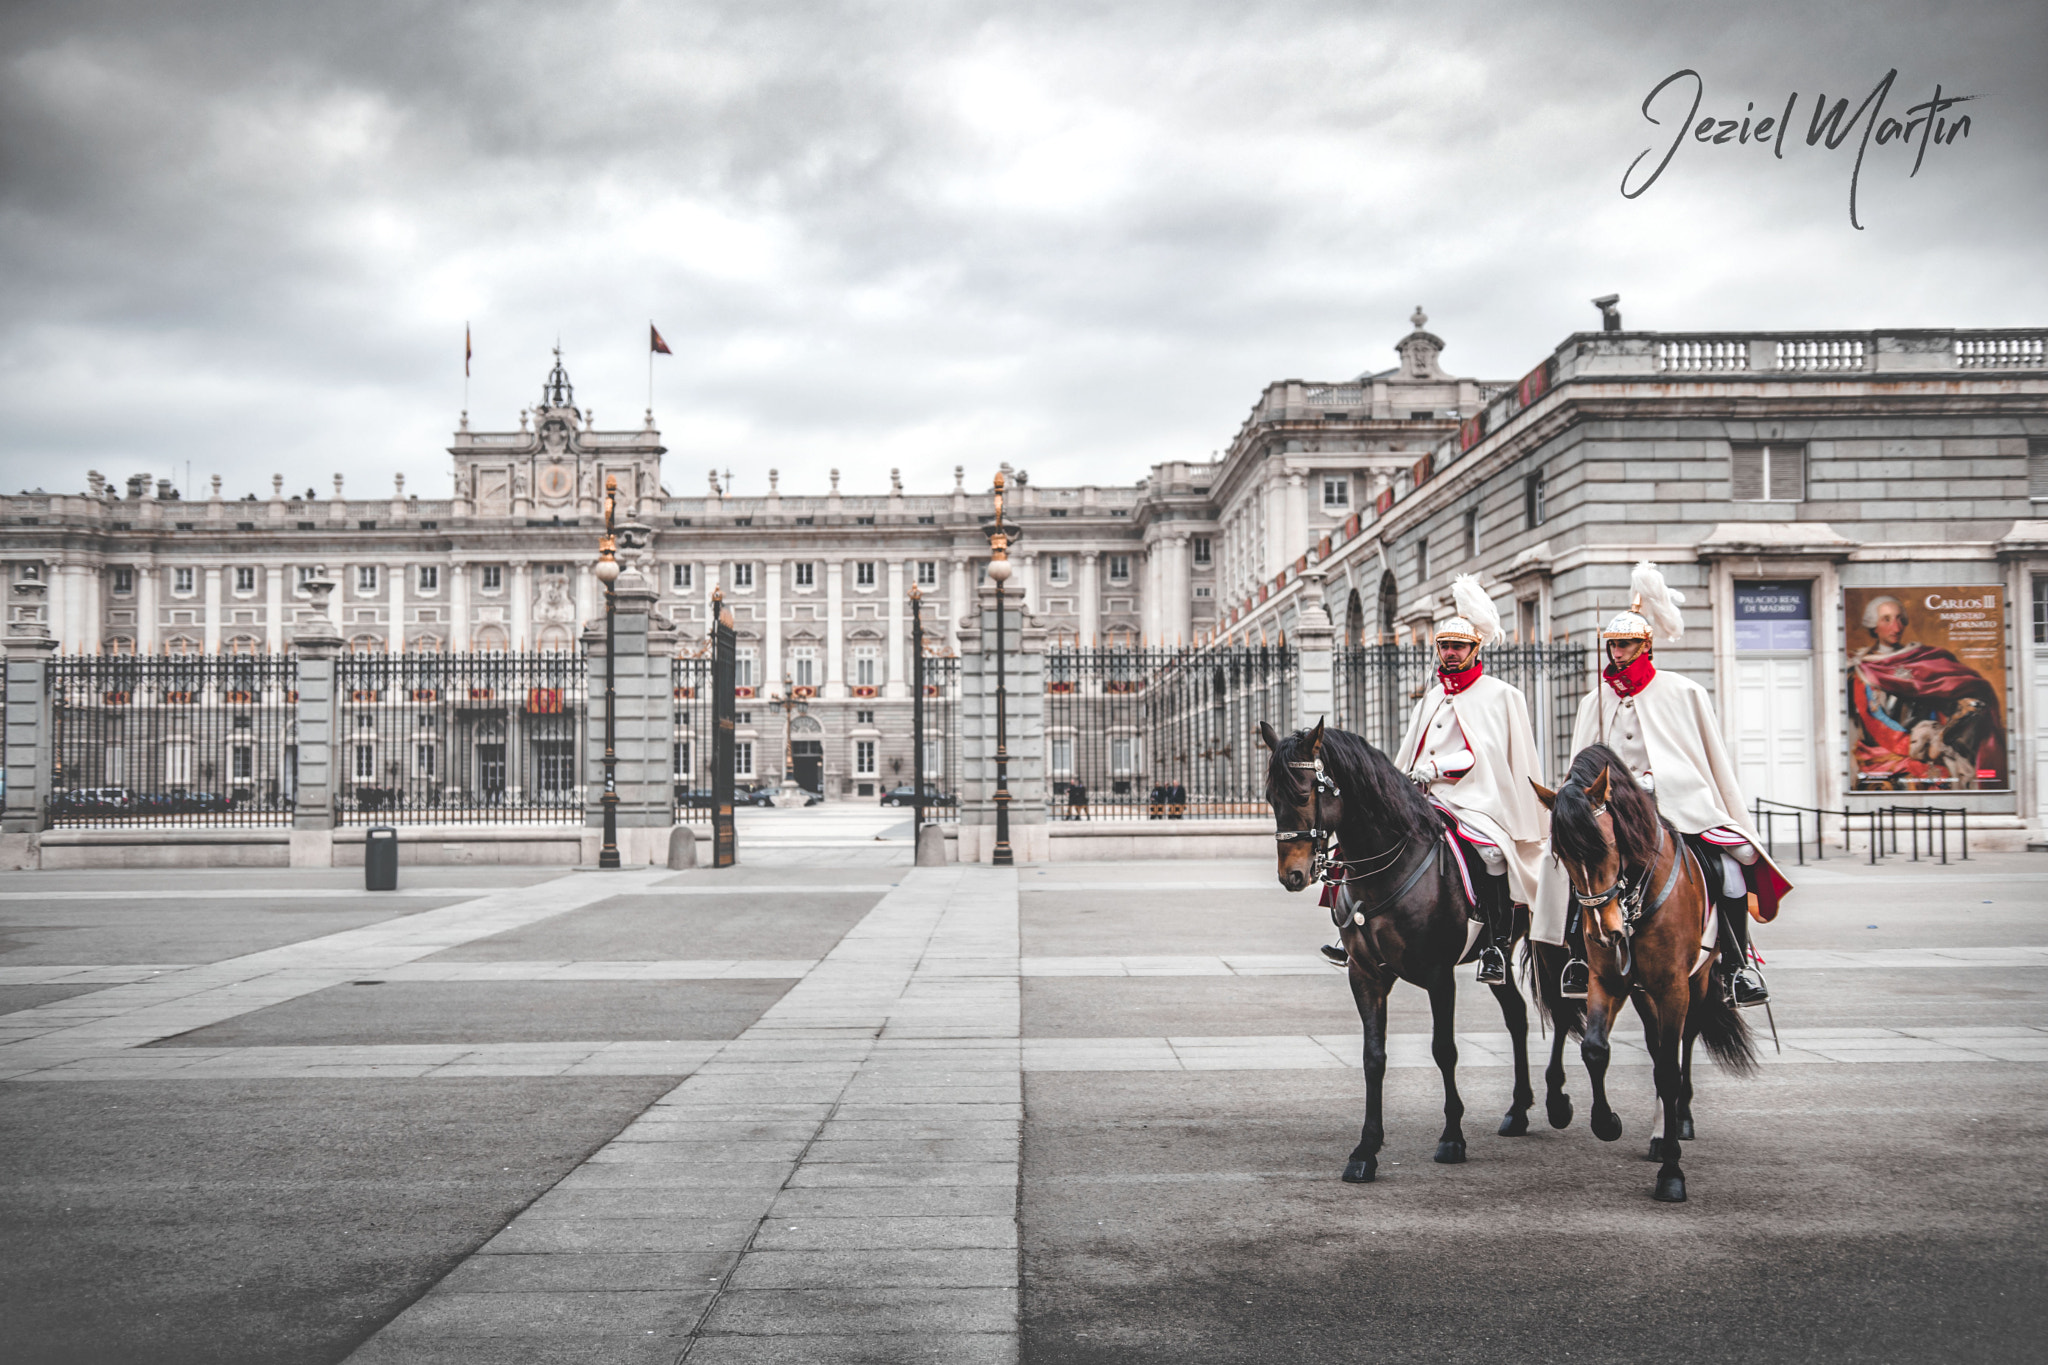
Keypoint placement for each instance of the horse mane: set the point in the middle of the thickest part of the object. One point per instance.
(1574, 832)
(1373, 787)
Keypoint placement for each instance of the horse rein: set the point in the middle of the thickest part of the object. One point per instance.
(1633, 911)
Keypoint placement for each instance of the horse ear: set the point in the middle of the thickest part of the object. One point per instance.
(1543, 794)
(1597, 793)
(1315, 739)
(1271, 739)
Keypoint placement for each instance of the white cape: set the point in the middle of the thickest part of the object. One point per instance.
(1494, 795)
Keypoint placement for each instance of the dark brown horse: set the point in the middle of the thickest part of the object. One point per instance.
(1645, 903)
(1401, 910)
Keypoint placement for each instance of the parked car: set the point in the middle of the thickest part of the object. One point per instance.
(906, 795)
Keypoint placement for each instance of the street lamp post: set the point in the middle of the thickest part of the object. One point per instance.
(916, 712)
(999, 573)
(608, 574)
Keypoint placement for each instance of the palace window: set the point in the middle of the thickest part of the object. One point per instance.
(1058, 568)
(1336, 493)
(682, 760)
(423, 760)
(743, 758)
(245, 579)
(680, 577)
(366, 762)
(1201, 544)
(1533, 510)
(864, 758)
(307, 573)
(927, 573)
(181, 582)
(1421, 558)
(807, 575)
(803, 665)
(1471, 533)
(494, 578)
(124, 581)
(1062, 755)
(1123, 754)
(241, 762)
(430, 578)
(1770, 473)
(1119, 568)
(866, 664)
(366, 578)
(743, 666)
(743, 575)
(863, 717)
(864, 574)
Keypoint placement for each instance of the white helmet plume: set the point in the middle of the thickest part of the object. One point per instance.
(1657, 601)
(1476, 606)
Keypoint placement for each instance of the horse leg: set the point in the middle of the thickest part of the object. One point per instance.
(1516, 1121)
(1692, 1033)
(1363, 1163)
(1670, 1026)
(1596, 1050)
(1555, 1101)
(1443, 1004)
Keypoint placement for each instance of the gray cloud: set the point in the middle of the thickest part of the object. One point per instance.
(1076, 237)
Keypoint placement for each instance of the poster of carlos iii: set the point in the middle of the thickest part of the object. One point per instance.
(1927, 688)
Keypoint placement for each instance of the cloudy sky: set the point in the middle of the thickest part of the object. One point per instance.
(1079, 237)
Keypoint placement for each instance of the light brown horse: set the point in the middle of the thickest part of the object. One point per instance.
(1646, 905)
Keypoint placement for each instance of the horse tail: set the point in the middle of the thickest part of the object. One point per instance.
(1542, 969)
(1726, 1033)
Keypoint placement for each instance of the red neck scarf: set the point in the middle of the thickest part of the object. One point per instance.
(1454, 683)
(1632, 679)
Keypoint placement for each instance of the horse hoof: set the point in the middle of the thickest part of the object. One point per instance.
(1559, 1107)
(1361, 1172)
(1450, 1152)
(1656, 1152)
(1515, 1123)
(1670, 1186)
(1606, 1125)
(1685, 1130)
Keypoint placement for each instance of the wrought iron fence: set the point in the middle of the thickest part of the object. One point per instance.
(1163, 733)
(460, 738)
(690, 677)
(1378, 686)
(179, 740)
(939, 719)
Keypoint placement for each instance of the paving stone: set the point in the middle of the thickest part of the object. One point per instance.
(937, 1231)
(679, 1272)
(952, 1348)
(841, 1311)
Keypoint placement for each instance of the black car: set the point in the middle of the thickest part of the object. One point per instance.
(906, 795)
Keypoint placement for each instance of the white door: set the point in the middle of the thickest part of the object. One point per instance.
(1774, 728)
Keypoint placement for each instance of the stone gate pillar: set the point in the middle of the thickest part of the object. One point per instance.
(29, 732)
(317, 719)
(1315, 642)
(644, 728)
(1024, 680)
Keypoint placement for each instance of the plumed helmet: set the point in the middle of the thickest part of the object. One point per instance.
(1653, 611)
(1477, 619)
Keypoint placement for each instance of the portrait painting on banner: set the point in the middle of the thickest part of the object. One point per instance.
(1926, 682)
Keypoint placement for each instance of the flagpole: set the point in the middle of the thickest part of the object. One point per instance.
(650, 367)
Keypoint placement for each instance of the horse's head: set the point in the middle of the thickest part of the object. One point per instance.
(1582, 837)
(1307, 804)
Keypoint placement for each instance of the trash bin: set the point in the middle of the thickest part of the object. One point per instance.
(380, 858)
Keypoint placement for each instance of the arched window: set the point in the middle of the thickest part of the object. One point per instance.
(1390, 605)
(554, 639)
(490, 639)
(1354, 620)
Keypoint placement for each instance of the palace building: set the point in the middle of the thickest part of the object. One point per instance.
(818, 582)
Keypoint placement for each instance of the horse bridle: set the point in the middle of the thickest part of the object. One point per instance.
(1630, 898)
(1323, 867)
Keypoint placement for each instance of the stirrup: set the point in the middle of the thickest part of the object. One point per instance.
(1493, 966)
(1746, 988)
(1334, 952)
(1571, 982)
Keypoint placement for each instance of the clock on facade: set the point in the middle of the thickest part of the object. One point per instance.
(556, 481)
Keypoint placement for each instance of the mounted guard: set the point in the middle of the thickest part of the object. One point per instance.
(1471, 749)
(1663, 728)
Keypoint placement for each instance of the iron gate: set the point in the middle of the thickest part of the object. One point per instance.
(1378, 686)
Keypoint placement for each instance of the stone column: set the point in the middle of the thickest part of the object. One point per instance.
(835, 629)
(273, 608)
(957, 605)
(146, 633)
(1091, 598)
(589, 600)
(25, 741)
(1314, 639)
(1026, 581)
(1297, 517)
(1024, 681)
(395, 639)
(643, 727)
(771, 634)
(895, 660)
(319, 648)
(522, 606)
(210, 611)
(458, 606)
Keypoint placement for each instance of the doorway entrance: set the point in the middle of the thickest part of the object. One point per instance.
(808, 757)
(1773, 704)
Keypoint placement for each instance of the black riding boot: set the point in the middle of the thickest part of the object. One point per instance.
(1742, 985)
(1498, 910)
